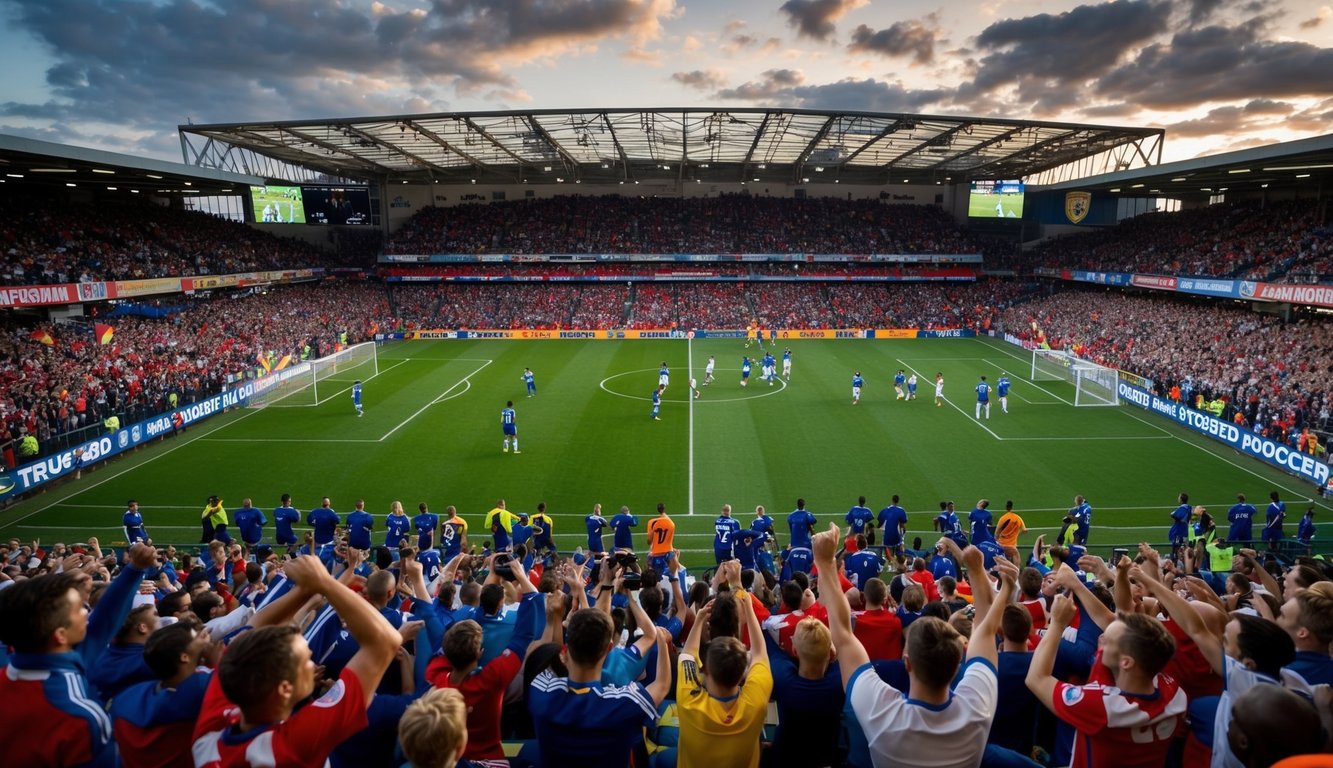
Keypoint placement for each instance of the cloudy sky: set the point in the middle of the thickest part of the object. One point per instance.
(121, 74)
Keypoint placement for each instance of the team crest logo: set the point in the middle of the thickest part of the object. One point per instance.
(1077, 205)
(7, 484)
(1072, 695)
(1248, 288)
(124, 438)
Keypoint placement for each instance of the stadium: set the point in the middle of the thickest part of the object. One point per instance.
(513, 325)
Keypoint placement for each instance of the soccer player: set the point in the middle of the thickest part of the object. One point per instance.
(857, 383)
(284, 517)
(745, 371)
(663, 376)
(500, 522)
(1241, 516)
(862, 565)
(133, 522)
(786, 363)
(800, 522)
(359, 524)
(911, 387)
(893, 524)
(983, 398)
(947, 523)
(939, 389)
(1275, 514)
(1306, 529)
(509, 424)
(709, 367)
(521, 533)
(979, 521)
(657, 402)
(1008, 529)
(250, 522)
(858, 516)
(356, 397)
(396, 526)
(694, 387)
(1081, 516)
(325, 520)
(623, 523)
(661, 540)
(543, 529)
(425, 522)
(1180, 518)
(770, 368)
(899, 379)
(595, 524)
(763, 523)
(725, 528)
(453, 534)
(752, 333)
(1002, 389)
(531, 381)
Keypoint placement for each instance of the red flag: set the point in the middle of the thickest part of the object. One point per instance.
(103, 333)
(43, 337)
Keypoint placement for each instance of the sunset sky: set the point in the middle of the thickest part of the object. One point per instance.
(121, 74)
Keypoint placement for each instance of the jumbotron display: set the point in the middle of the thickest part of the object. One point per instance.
(310, 204)
(991, 199)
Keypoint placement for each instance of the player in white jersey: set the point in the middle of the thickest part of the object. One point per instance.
(786, 363)
(911, 387)
(663, 376)
(939, 390)
(694, 387)
(708, 371)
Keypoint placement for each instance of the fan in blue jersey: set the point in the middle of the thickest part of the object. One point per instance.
(1241, 516)
(133, 522)
(1180, 518)
(623, 524)
(284, 517)
(745, 371)
(1274, 515)
(359, 524)
(899, 379)
(1080, 515)
(509, 425)
(893, 526)
(858, 517)
(979, 520)
(325, 520)
(983, 398)
(596, 524)
(857, 383)
(725, 528)
(356, 397)
(657, 402)
(786, 363)
(1002, 389)
(663, 376)
(531, 381)
(425, 522)
(396, 526)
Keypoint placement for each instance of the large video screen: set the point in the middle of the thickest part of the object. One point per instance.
(278, 205)
(336, 205)
(996, 199)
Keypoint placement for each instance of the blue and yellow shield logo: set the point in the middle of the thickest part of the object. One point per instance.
(1077, 205)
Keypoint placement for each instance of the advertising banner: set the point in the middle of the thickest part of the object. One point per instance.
(39, 295)
(1207, 286)
(1312, 295)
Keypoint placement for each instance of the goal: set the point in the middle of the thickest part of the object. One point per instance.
(317, 381)
(1093, 384)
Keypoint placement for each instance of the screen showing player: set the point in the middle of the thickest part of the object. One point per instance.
(336, 205)
(996, 199)
(277, 204)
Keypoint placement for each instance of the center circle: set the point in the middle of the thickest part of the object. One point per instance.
(782, 385)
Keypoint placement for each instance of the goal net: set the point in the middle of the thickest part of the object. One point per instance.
(317, 381)
(1093, 384)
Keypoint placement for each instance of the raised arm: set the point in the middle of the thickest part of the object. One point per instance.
(851, 654)
(758, 648)
(1097, 610)
(661, 685)
(984, 626)
(1039, 678)
(1189, 621)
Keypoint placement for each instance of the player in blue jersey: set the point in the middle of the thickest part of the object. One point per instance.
(1080, 516)
(1273, 516)
(899, 380)
(745, 371)
(1178, 534)
(396, 526)
(862, 565)
(770, 368)
(284, 517)
(250, 522)
(530, 381)
(1002, 389)
(623, 524)
(356, 397)
(763, 523)
(426, 523)
(725, 528)
(786, 363)
(947, 523)
(857, 383)
(663, 376)
(595, 524)
(800, 523)
(911, 387)
(325, 520)
(980, 521)
(893, 526)
(657, 402)
(543, 531)
(521, 532)
(983, 398)
(1241, 516)
(1306, 528)
(509, 424)
(359, 524)
(858, 517)
(133, 522)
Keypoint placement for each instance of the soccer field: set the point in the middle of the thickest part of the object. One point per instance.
(431, 433)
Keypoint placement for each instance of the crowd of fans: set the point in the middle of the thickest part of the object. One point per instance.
(985, 648)
(1274, 374)
(725, 224)
(561, 270)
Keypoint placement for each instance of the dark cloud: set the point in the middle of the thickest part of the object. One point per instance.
(904, 38)
(770, 84)
(814, 18)
(701, 79)
(788, 88)
(1312, 22)
(1202, 10)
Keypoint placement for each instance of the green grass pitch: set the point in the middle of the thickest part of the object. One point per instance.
(431, 433)
(983, 206)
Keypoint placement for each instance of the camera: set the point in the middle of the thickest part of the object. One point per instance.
(626, 560)
(632, 581)
(504, 567)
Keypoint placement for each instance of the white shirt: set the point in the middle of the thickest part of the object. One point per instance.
(1236, 679)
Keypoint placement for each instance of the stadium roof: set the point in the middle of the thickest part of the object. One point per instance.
(682, 144)
(47, 163)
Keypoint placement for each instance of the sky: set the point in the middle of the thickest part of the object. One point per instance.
(1218, 75)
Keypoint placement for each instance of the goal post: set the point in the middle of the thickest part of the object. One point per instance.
(316, 381)
(1093, 384)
